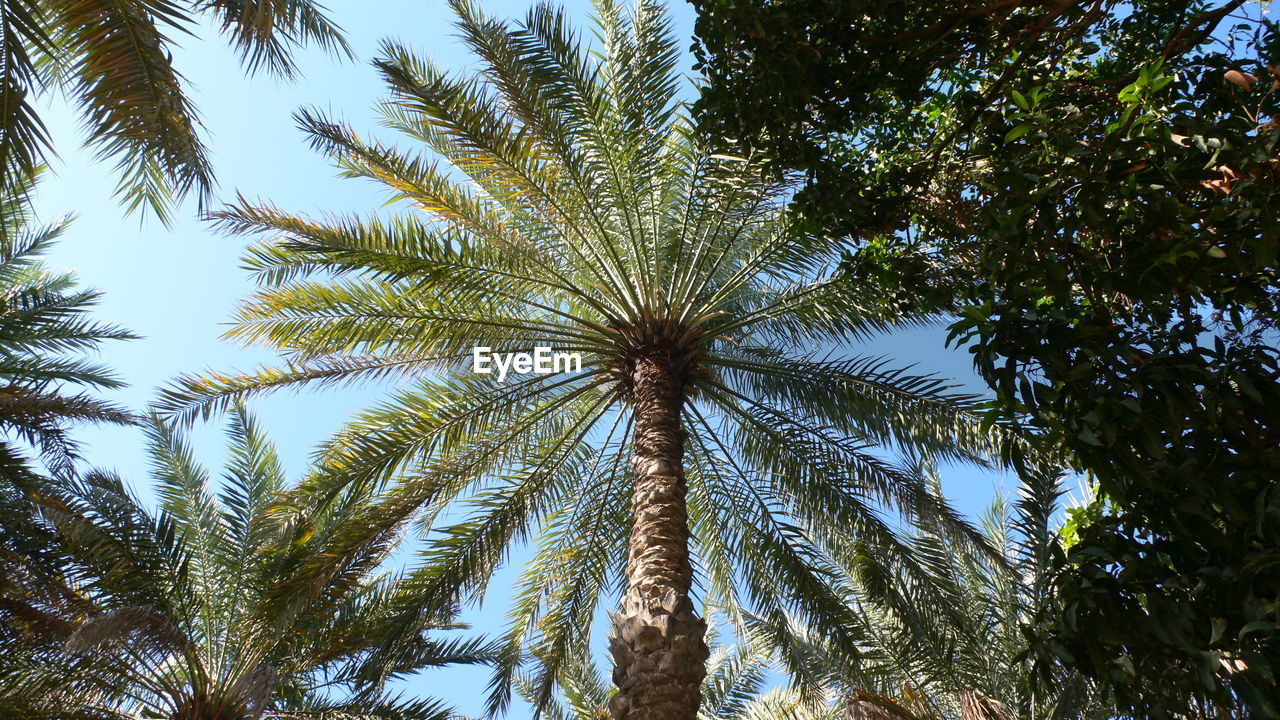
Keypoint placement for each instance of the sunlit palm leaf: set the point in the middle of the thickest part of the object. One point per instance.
(114, 60)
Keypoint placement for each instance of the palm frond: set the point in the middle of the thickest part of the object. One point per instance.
(265, 33)
(114, 59)
(136, 111)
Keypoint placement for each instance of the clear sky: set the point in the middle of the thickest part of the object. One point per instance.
(178, 286)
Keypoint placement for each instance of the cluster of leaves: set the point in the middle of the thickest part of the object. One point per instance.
(46, 339)
(1092, 187)
(1146, 343)
(114, 60)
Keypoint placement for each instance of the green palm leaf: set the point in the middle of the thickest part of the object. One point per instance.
(46, 336)
(114, 60)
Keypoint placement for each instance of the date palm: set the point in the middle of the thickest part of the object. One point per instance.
(180, 614)
(47, 379)
(114, 60)
(564, 200)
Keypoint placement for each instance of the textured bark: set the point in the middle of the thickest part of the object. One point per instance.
(658, 644)
(862, 705)
(976, 706)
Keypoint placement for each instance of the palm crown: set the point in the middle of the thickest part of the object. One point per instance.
(180, 614)
(566, 201)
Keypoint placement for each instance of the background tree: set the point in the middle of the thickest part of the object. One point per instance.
(114, 60)
(952, 642)
(181, 614)
(46, 339)
(1093, 186)
(565, 202)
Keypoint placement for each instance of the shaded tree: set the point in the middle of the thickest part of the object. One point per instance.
(1092, 187)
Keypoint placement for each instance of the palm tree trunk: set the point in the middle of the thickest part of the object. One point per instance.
(658, 644)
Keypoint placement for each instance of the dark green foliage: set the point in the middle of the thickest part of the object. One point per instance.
(1135, 322)
(1094, 191)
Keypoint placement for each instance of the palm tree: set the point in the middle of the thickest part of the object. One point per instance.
(180, 615)
(566, 202)
(113, 58)
(955, 643)
(45, 338)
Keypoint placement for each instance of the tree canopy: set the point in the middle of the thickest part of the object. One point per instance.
(1091, 188)
(1084, 189)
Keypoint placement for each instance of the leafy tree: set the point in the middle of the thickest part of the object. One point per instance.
(113, 59)
(566, 202)
(181, 615)
(1093, 187)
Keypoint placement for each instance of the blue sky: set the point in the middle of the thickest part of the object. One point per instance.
(178, 286)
